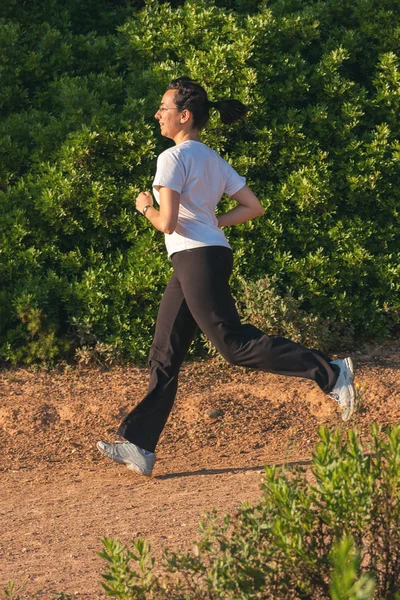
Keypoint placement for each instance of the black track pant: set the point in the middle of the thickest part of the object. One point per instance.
(198, 294)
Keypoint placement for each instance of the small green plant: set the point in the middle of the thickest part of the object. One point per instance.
(338, 538)
(121, 580)
(345, 583)
(12, 590)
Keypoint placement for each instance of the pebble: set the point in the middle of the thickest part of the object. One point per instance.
(214, 414)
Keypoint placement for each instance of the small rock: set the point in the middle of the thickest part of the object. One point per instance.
(214, 414)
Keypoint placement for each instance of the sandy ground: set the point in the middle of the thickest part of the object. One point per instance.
(60, 497)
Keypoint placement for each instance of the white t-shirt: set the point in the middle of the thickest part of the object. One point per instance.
(201, 176)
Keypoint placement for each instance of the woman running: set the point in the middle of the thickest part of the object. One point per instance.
(189, 182)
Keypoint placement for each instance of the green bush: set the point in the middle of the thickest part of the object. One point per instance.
(260, 304)
(338, 537)
(321, 147)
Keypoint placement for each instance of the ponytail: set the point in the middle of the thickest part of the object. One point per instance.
(229, 110)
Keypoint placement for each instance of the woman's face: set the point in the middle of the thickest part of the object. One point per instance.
(169, 117)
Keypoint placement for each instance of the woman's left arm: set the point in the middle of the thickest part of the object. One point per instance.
(248, 207)
(166, 218)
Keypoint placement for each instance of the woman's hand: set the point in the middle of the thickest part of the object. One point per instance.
(166, 218)
(144, 199)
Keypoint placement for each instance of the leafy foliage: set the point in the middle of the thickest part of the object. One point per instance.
(337, 538)
(345, 583)
(321, 147)
(262, 305)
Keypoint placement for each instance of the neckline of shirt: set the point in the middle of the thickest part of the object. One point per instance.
(188, 141)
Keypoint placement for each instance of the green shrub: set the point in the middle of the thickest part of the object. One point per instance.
(260, 304)
(338, 537)
(345, 583)
(320, 146)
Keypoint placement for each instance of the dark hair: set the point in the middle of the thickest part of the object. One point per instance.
(192, 96)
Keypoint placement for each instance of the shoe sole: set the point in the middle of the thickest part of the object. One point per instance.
(133, 468)
(349, 411)
(122, 461)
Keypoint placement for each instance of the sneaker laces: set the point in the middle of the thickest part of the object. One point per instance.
(141, 450)
(334, 396)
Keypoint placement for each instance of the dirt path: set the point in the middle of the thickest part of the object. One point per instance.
(59, 496)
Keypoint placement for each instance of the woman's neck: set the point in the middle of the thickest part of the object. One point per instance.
(185, 136)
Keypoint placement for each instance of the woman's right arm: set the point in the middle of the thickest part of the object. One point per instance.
(166, 218)
(248, 207)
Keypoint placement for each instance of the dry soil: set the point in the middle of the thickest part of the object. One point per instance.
(60, 497)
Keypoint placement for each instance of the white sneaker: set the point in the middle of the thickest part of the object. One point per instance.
(134, 458)
(344, 392)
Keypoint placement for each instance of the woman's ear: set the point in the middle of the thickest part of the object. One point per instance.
(185, 116)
